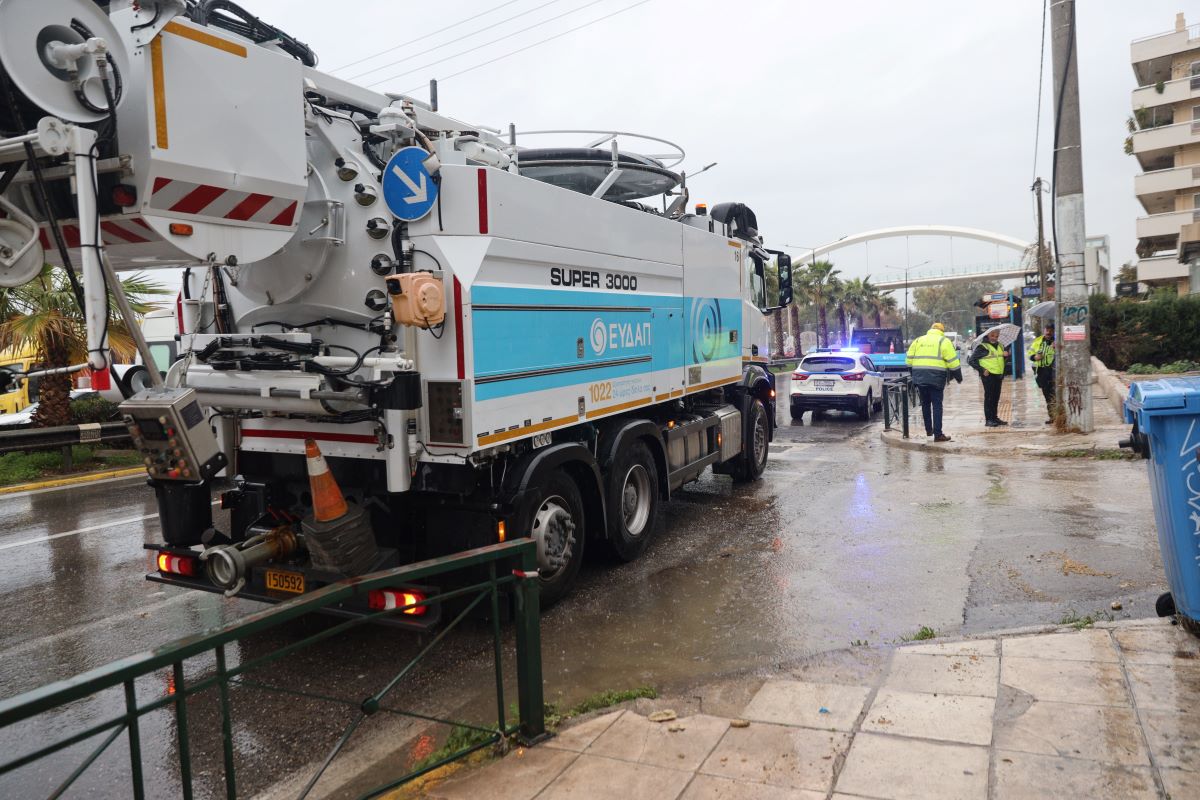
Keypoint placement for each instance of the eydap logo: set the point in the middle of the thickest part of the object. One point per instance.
(706, 329)
(617, 335)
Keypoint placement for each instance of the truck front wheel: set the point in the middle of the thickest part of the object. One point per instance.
(632, 499)
(557, 528)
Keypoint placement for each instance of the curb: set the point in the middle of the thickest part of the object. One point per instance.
(89, 477)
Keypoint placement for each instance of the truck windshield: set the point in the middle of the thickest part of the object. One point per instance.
(826, 364)
(764, 281)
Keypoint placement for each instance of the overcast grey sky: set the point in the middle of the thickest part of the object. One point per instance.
(826, 118)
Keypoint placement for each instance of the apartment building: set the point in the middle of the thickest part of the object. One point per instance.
(1165, 139)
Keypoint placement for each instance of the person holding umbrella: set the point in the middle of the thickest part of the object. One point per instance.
(988, 361)
(1041, 353)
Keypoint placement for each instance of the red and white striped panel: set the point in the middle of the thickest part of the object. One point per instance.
(122, 230)
(202, 200)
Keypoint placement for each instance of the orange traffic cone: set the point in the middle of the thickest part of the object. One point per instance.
(891, 347)
(327, 500)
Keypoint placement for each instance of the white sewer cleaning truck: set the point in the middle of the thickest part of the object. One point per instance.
(483, 339)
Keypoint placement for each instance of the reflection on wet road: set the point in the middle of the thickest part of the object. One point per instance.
(844, 540)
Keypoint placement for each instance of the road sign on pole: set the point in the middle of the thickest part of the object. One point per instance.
(408, 189)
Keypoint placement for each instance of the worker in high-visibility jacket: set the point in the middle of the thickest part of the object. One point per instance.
(1041, 355)
(933, 361)
(988, 361)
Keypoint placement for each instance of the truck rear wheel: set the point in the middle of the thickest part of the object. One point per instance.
(755, 442)
(631, 495)
(557, 528)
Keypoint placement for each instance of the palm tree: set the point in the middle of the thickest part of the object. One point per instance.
(43, 314)
(818, 283)
(883, 304)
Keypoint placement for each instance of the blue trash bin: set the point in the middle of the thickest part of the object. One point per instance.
(1166, 431)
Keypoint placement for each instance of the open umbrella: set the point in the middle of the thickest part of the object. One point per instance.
(1043, 309)
(1008, 334)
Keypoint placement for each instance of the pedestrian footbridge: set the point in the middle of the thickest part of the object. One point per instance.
(1024, 261)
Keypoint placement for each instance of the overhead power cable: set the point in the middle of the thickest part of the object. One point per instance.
(1037, 127)
(533, 45)
(487, 44)
(452, 41)
(425, 36)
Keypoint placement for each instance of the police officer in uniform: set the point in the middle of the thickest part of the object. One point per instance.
(988, 361)
(933, 361)
(1041, 354)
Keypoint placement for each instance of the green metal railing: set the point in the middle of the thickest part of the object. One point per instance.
(510, 567)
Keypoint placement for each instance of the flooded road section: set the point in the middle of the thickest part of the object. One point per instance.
(844, 541)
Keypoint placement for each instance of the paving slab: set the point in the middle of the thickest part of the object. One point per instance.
(596, 778)
(897, 768)
(796, 758)
(518, 777)
(1167, 687)
(1181, 784)
(679, 744)
(1020, 776)
(966, 647)
(1097, 733)
(947, 717)
(1174, 737)
(1088, 645)
(827, 706)
(1058, 680)
(710, 787)
(578, 736)
(943, 674)
(1157, 644)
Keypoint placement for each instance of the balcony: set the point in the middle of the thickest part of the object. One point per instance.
(1151, 56)
(1159, 226)
(1156, 190)
(1161, 268)
(1176, 91)
(1153, 145)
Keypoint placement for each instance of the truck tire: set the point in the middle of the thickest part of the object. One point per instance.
(557, 526)
(755, 443)
(631, 494)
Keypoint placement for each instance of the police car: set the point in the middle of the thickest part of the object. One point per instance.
(844, 379)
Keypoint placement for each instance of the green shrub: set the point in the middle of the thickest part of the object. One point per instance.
(1162, 330)
(92, 409)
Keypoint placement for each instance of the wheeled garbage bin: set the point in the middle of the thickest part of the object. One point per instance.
(1166, 431)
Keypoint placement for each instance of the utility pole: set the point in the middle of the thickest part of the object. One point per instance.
(1073, 364)
(1041, 242)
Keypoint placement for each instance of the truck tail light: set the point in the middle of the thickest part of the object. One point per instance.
(387, 599)
(176, 565)
(853, 376)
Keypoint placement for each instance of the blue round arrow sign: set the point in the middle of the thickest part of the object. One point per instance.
(408, 188)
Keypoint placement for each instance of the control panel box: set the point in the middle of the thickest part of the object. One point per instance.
(169, 430)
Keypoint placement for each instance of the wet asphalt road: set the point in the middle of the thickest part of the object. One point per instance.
(845, 540)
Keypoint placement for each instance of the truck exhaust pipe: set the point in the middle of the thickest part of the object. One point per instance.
(228, 565)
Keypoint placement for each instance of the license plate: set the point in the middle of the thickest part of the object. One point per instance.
(285, 581)
(824, 386)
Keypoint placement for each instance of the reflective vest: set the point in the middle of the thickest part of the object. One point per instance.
(993, 362)
(932, 351)
(1040, 345)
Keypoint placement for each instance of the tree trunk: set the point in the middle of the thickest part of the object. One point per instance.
(878, 318)
(777, 323)
(794, 325)
(54, 394)
(823, 324)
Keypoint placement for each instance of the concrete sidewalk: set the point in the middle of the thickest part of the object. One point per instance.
(1106, 712)
(1023, 407)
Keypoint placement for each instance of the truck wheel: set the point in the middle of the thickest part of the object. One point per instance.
(864, 411)
(631, 497)
(753, 459)
(557, 528)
